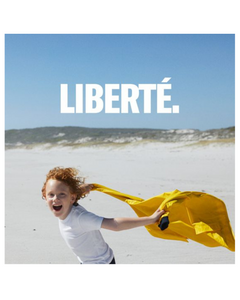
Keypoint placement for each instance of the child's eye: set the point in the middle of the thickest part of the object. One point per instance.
(50, 195)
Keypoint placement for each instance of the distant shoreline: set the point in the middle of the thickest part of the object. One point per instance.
(48, 137)
(118, 128)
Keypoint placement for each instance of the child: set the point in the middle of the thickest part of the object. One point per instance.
(79, 228)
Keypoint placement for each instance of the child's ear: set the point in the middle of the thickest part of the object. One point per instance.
(73, 198)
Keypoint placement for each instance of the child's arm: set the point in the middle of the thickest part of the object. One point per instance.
(118, 224)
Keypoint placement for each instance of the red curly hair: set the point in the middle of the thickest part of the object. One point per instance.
(70, 177)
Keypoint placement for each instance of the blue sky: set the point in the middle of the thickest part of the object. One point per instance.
(201, 67)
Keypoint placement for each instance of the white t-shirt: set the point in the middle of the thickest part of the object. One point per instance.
(80, 230)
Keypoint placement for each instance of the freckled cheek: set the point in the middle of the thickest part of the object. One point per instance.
(50, 203)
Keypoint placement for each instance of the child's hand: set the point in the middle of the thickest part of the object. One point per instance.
(86, 188)
(157, 215)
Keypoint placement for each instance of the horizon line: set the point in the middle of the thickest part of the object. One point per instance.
(139, 128)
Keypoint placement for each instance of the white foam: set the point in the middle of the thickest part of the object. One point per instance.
(58, 135)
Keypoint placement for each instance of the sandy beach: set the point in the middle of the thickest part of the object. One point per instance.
(141, 169)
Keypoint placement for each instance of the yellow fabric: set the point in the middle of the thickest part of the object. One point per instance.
(192, 215)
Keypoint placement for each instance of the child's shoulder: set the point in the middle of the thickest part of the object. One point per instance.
(74, 215)
(78, 209)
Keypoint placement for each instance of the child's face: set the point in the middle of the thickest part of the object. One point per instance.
(59, 198)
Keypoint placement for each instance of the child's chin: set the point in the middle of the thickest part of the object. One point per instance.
(57, 213)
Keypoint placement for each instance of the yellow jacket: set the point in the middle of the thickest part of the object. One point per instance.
(192, 215)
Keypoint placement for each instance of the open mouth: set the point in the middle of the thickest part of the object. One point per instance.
(57, 208)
